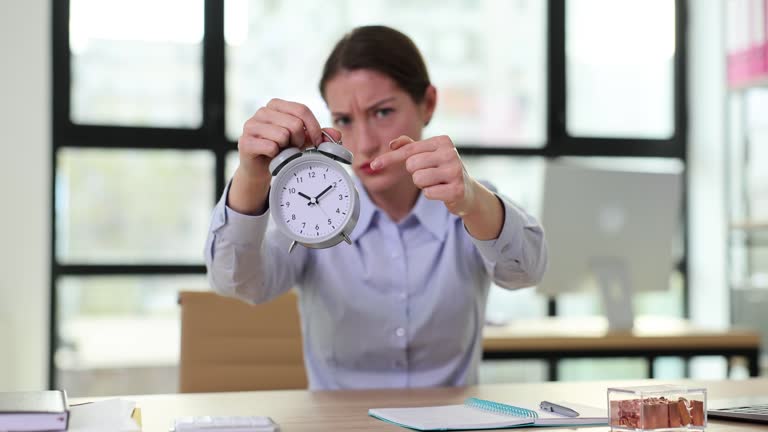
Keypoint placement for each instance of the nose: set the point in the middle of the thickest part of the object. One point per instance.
(367, 140)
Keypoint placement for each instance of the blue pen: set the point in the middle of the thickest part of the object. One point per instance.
(557, 409)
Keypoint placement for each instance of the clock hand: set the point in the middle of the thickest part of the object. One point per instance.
(311, 200)
(342, 234)
(317, 198)
(323, 210)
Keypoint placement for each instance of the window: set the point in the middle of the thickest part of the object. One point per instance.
(102, 321)
(134, 183)
(131, 68)
(123, 206)
(150, 98)
(487, 97)
(623, 85)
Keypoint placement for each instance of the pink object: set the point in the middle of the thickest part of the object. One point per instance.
(764, 72)
(757, 39)
(738, 68)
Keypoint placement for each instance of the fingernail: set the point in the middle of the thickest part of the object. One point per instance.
(376, 164)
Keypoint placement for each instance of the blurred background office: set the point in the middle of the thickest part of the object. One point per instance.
(120, 120)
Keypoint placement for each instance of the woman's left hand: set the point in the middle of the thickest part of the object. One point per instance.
(436, 169)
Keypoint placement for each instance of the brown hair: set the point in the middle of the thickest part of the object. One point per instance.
(382, 49)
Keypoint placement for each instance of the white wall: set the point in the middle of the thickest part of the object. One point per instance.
(25, 156)
(709, 300)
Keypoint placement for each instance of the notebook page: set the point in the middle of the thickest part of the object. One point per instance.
(588, 415)
(446, 417)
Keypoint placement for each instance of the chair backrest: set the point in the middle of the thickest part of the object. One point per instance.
(229, 345)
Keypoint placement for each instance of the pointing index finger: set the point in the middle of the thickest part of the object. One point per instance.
(402, 153)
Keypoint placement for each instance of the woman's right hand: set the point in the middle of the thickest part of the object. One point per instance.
(275, 126)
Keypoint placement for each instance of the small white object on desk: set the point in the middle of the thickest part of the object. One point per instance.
(225, 424)
(109, 415)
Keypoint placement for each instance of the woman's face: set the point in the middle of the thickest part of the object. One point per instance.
(371, 110)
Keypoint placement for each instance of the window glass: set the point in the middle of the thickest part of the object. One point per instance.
(136, 63)
(486, 58)
(119, 334)
(233, 161)
(132, 206)
(620, 68)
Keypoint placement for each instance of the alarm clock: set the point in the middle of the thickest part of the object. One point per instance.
(313, 199)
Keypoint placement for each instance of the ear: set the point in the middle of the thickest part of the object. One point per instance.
(429, 103)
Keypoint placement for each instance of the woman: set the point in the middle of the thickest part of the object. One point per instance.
(404, 305)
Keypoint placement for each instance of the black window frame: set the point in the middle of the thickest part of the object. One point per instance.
(211, 135)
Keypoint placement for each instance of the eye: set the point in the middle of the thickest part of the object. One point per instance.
(342, 121)
(383, 112)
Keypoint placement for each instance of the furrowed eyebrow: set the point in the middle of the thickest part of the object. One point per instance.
(370, 108)
(381, 102)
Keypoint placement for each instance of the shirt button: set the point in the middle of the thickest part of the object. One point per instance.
(403, 296)
(400, 332)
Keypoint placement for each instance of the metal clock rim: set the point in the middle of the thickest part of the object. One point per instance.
(349, 222)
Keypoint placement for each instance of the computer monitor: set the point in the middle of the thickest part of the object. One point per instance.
(615, 227)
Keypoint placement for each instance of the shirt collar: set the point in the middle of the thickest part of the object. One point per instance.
(431, 214)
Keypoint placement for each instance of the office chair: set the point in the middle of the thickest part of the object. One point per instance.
(229, 345)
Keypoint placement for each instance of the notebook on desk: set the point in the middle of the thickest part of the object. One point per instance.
(483, 414)
(34, 411)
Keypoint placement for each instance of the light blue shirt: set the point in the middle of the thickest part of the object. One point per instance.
(403, 306)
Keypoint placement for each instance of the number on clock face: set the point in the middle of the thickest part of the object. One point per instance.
(314, 200)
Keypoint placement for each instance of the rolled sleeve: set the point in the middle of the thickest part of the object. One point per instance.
(242, 229)
(518, 257)
(243, 260)
(231, 227)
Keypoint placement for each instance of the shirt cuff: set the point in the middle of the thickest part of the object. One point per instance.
(510, 240)
(235, 227)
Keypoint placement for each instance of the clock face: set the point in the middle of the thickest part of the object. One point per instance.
(314, 199)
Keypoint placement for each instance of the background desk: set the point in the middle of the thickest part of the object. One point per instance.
(301, 410)
(552, 339)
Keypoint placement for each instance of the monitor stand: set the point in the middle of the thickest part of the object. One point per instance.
(614, 284)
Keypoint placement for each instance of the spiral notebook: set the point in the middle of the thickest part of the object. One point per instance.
(483, 414)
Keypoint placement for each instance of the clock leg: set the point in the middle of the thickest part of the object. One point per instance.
(346, 238)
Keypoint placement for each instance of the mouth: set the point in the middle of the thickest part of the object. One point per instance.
(366, 169)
